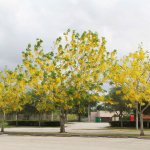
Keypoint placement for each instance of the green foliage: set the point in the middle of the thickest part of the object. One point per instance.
(127, 124)
(118, 104)
(34, 123)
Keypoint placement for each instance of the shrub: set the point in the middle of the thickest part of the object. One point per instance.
(34, 123)
(131, 124)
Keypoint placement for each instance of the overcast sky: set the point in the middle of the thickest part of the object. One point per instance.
(124, 23)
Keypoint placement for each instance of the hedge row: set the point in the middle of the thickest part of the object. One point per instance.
(34, 123)
(128, 124)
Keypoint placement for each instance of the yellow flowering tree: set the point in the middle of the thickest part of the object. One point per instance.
(40, 68)
(12, 91)
(84, 62)
(78, 64)
(132, 73)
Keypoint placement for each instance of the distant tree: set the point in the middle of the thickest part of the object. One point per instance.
(83, 105)
(118, 104)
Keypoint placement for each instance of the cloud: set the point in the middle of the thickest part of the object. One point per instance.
(124, 23)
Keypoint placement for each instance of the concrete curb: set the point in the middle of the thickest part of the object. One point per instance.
(73, 135)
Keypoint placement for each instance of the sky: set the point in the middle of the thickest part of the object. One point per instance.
(124, 23)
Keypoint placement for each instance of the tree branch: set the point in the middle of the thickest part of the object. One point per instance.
(146, 107)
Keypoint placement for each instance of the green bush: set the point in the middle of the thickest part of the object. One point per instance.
(34, 123)
(5, 123)
(131, 124)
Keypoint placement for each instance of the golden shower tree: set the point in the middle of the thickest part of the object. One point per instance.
(132, 73)
(78, 64)
(12, 91)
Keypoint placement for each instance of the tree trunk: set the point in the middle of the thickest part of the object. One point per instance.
(52, 116)
(66, 119)
(137, 118)
(121, 119)
(16, 119)
(39, 119)
(89, 113)
(62, 121)
(141, 119)
(3, 122)
(79, 117)
(141, 123)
